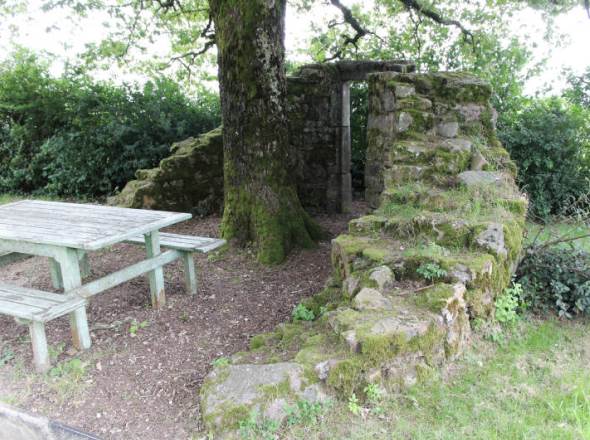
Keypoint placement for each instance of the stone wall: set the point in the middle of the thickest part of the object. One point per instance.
(410, 277)
(191, 179)
(319, 128)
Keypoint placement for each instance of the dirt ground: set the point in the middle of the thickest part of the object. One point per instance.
(142, 375)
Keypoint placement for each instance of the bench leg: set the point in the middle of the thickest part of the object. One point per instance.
(84, 264)
(190, 274)
(39, 341)
(70, 269)
(79, 328)
(156, 276)
(56, 277)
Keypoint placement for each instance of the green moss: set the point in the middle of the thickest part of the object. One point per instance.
(376, 254)
(348, 376)
(261, 340)
(330, 298)
(435, 298)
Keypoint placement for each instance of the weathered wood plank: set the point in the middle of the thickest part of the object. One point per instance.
(39, 342)
(85, 227)
(190, 273)
(70, 272)
(126, 274)
(184, 242)
(35, 305)
(156, 276)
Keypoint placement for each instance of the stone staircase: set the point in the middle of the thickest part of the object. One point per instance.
(442, 242)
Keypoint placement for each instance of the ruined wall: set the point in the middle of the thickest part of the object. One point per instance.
(319, 128)
(191, 179)
(410, 277)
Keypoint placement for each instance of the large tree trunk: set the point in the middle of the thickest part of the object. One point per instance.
(261, 202)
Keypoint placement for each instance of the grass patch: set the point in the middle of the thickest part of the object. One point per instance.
(536, 385)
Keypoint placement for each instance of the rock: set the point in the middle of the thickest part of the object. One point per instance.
(471, 112)
(408, 325)
(457, 145)
(472, 178)
(235, 390)
(323, 368)
(351, 286)
(370, 299)
(383, 276)
(478, 162)
(314, 393)
(462, 274)
(492, 239)
(448, 129)
(404, 122)
(351, 340)
(404, 90)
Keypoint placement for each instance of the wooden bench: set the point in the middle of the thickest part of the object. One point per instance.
(36, 308)
(187, 245)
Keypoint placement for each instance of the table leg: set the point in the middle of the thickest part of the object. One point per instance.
(56, 278)
(70, 270)
(84, 264)
(156, 276)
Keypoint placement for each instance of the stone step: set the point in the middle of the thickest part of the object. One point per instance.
(440, 153)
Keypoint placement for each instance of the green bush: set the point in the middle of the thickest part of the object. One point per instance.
(549, 140)
(73, 136)
(556, 278)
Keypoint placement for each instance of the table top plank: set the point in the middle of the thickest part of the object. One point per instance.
(79, 226)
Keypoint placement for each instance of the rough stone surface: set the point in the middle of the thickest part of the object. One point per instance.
(370, 299)
(471, 178)
(492, 239)
(236, 386)
(448, 129)
(383, 276)
(425, 131)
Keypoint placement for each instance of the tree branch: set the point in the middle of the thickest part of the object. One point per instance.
(350, 19)
(436, 17)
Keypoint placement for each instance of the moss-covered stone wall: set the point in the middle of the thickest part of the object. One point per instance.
(191, 178)
(409, 278)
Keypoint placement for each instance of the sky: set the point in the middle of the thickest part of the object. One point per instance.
(53, 32)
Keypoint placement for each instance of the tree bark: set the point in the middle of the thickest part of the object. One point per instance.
(261, 202)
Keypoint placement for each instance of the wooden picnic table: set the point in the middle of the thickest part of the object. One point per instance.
(64, 232)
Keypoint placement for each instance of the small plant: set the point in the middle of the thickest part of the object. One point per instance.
(303, 412)
(507, 304)
(374, 392)
(184, 317)
(56, 351)
(221, 362)
(302, 313)
(255, 428)
(353, 405)
(135, 326)
(431, 271)
(74, 369)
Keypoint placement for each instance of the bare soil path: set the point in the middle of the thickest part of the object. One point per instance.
(141, 378)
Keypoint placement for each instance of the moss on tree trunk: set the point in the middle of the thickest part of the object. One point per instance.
(261, 202)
